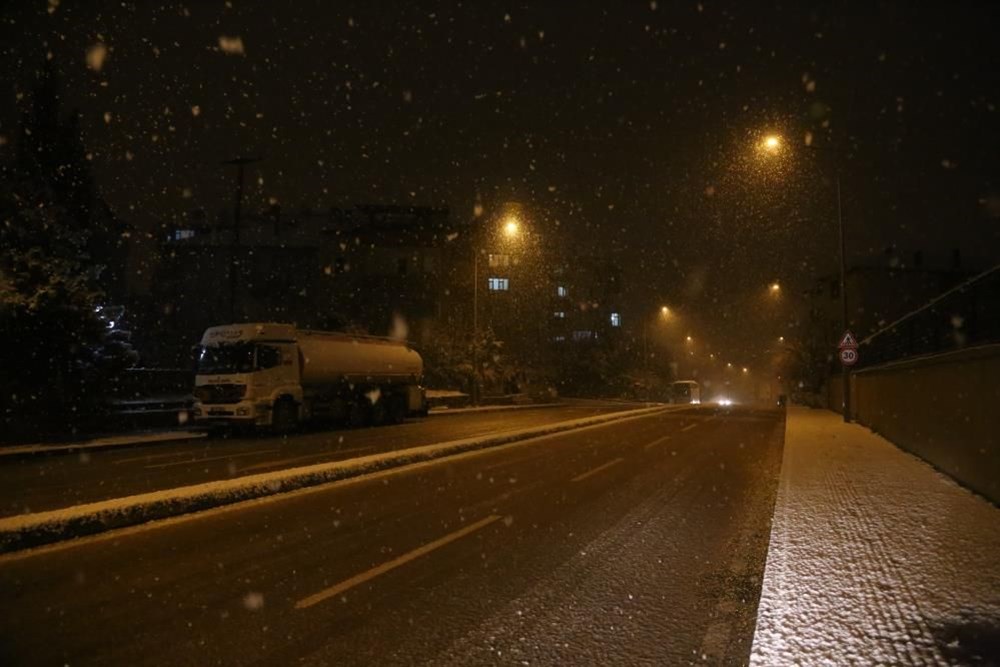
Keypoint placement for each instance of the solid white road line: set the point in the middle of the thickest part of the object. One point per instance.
(656, 442)
(689, 427)
(211, 458)
(327, 593)
(596, 470)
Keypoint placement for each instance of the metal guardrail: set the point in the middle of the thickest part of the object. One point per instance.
(967, 315)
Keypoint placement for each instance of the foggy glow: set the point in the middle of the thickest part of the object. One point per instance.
(511, 227)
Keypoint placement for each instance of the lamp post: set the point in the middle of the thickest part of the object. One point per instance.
(772, 145)
(511, 230)
(665, 314)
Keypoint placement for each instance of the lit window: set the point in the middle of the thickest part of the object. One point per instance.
(562, 291)
(583, 335)
(499, 284)
(559, 314)
(616, 319)
(180, 234)
(559, 339)
(500, 261)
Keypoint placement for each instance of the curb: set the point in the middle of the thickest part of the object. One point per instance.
(32, 530)
(444, 412)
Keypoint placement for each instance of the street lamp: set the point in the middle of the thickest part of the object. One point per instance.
(775, 287)
(511, 228)
(772, 147)
(665, 315)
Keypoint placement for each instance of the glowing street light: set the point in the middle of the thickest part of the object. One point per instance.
(775, 287)
(746, 370)
(781, 339)
(511, 227)
(665, 311)
(689, 339)
(771, 143)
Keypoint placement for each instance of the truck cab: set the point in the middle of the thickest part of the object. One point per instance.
(243, 372)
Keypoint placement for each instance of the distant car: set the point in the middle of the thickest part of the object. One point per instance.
(782, 400)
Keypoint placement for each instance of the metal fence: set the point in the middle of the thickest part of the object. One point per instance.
(967, 315)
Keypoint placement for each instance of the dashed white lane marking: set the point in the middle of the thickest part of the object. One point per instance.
(713, 645)
(211, 458)
(336, 589)
(152, 457)
(596, 470)
(689, 427)
(654, 443)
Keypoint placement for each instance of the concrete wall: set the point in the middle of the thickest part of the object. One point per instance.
(945, 409)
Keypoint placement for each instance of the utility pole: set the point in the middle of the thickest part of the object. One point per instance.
(240, 163)
(845, 373)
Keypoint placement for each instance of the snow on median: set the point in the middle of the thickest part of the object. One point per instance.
(28, 530)
(875, 557)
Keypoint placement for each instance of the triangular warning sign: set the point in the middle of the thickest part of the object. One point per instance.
(848, 341)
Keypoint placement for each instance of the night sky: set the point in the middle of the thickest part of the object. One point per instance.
(623, 127)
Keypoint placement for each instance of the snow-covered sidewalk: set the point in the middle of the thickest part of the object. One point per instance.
(875, 557)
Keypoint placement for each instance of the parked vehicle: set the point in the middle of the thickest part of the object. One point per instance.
(271, 375)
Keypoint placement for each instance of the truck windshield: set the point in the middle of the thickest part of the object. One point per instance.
(226, 358)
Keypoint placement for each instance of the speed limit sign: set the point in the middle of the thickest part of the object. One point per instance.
(848, 356)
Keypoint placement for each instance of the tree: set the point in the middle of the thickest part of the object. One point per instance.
(51, 153)
(59, 354)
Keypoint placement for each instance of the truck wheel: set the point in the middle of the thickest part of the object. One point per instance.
(397, 410)
(286, 416)
(357, 414)
(379, 413)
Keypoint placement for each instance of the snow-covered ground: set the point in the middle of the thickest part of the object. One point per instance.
(875, 557)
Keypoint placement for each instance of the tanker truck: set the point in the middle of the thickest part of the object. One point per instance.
(274, 376)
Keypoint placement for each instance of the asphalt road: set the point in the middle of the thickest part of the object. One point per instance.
(637, 542)
(57, 480)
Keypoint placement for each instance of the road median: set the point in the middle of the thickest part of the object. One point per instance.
(31, 530)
